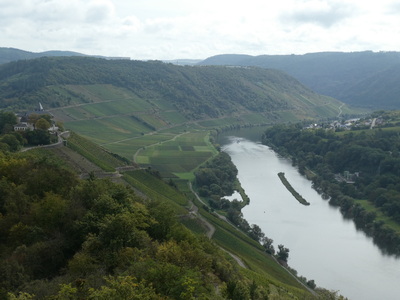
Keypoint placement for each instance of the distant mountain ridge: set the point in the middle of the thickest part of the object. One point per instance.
(12, 54)
(344, 76)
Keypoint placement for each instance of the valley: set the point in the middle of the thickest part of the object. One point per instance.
(155, 127)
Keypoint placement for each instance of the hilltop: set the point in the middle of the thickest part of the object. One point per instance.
(344, 76)
(12, 54)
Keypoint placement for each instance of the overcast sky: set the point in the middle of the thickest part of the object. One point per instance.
(172, 29)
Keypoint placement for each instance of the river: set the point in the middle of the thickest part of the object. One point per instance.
(323, 245)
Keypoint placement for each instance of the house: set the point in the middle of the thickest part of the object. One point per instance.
(26, 123)
(22, 127)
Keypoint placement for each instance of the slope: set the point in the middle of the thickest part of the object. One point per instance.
(197, 92)
(328, 73)
(11, 54)
(153, 113)
(380, 89)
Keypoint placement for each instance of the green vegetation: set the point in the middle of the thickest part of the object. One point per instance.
(179, 155)
(106, 160)
(216, 179)
(13, 141)
(364, 79)
(105, 88)
(358, 170)
(93, 239)
(289, 187)
(65, 237)
(101, 237)
(155, 114)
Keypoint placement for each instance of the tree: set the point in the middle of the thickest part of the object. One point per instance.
(283, 253)
(42, 124)
(311, 284)
(12, 141)
(267, 244)
(6, 119)
(32, 118)
(121, 287)
(38, 137)
(60, 125)
(256, 233)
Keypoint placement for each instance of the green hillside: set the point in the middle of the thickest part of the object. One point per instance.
(380, 90)
(197, 92)
(156, 114)
(66, 238)
(336, 74)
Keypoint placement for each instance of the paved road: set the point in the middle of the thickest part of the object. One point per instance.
(58, 144)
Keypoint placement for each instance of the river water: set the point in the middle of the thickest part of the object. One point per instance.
(323, 245)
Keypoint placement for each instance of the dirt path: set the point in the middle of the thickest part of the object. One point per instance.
(211, 229)
(158, 143)
(340, 110)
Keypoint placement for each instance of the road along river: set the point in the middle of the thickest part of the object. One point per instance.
(323, 245)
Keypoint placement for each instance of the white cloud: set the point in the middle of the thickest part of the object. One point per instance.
(319, 13)
(99, 11)
(159, 29)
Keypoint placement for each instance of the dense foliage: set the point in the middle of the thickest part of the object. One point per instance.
(197, 92)
(217, 178)
(65, 238)
(351, 167)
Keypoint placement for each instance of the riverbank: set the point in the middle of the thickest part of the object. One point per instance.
(311, 232)
(289, 187)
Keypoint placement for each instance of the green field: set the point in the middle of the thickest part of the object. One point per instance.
(101, 92)
(173, 117)
(146, 129)
(95, 153)
(178, 156)
(128, 147)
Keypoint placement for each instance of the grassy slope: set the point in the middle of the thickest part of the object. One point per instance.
(260, 264)
(261, 267)
(155, 133)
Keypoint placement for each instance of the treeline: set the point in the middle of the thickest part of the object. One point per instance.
(372, 160)
(64, 238)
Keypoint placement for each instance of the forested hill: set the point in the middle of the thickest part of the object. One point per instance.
(381, 90)
(197, 92)
(11, 54)
(348, 77)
